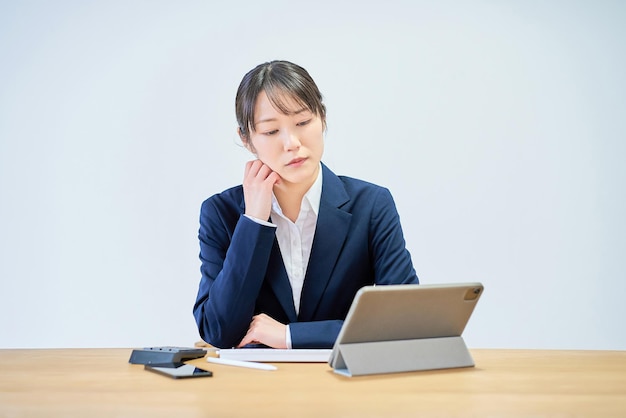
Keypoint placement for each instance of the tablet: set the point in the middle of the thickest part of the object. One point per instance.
(387, 313)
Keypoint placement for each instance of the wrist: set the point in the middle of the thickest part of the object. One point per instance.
(287, 337)
(259, 221)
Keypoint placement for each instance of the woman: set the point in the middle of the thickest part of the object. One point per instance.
(284, 254)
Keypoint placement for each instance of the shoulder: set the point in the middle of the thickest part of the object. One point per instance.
(358, 185)
(350, 183)
(365, 194)
(355, 186)
(230, 200)
(355, 191)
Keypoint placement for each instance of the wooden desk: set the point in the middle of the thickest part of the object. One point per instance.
(100, 382)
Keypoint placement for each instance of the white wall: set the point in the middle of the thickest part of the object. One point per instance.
(499, 127)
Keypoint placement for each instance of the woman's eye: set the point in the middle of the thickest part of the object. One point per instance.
(304, 122)
(275, 131)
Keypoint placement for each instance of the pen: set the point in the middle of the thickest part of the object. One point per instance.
(239, 363)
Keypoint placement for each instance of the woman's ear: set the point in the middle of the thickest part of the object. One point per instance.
(245, 140)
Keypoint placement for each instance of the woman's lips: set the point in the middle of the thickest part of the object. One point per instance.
(296, 162)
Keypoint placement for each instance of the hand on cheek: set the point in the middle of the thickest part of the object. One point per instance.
(258, 183)
(265, 330)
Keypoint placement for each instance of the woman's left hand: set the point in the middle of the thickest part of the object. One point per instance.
(265, 330)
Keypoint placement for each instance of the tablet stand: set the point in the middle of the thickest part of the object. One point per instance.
(356, 359)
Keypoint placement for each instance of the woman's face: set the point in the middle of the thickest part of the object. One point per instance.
(290, 144)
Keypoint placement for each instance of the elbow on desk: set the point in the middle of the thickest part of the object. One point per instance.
(213, 332)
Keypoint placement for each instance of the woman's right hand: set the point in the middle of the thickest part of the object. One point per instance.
(258, 182)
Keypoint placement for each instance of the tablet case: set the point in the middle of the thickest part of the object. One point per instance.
(400, 328)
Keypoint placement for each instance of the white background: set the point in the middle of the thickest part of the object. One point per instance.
(499, 127)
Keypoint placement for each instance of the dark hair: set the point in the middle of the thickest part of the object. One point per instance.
(276, 79)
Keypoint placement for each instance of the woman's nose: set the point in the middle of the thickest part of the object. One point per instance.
(291, 141)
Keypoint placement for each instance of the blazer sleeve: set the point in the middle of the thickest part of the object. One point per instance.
(233, 269)
(391, 259)
(315, 334)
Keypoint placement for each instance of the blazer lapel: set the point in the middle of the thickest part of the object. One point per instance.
(330, 234)
(279, 281)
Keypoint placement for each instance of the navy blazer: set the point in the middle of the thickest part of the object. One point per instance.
(358, 241)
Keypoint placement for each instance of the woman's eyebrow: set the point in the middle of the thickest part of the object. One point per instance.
(265, 120)
(297, 112)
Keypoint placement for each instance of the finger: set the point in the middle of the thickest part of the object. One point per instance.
(259, 171)
(274, 178)
(264, 171)
(252, 168)
(245, 341)
(248, 339)
(250, 334)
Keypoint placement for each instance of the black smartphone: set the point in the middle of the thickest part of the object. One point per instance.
(178, 371)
